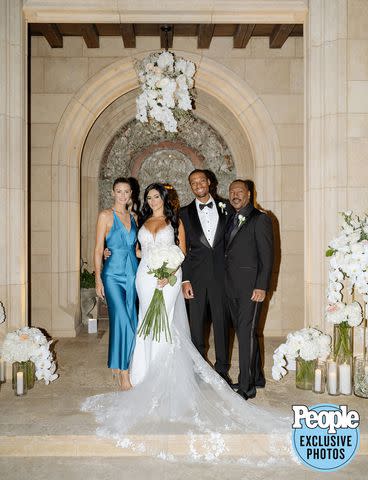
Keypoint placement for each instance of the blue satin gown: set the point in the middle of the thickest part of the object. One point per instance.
(118, 277)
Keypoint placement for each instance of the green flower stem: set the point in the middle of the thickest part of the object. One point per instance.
(156, 320)
(343, 346)
(305, 371)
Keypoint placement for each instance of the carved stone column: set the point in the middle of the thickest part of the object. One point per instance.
(326, 163)
(13, 164)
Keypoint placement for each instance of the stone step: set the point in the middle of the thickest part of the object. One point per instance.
(250, 445)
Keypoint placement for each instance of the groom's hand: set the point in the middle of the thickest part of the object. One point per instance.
(258, 295)
(187, 290)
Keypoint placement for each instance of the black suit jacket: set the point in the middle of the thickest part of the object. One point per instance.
(249, 255)
(203, 263)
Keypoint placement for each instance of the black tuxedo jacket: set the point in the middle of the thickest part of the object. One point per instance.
(249, 255)
(203, 264)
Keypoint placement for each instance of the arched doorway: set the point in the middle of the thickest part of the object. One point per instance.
(251, 120)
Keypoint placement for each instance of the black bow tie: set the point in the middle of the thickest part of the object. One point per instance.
(202, 205)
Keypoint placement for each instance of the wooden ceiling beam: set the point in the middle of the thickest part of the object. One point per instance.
(280, 34)
(90, 35)
(242, 35)
(52, 34)
(205, 34)
(128, 34)
(168, 34)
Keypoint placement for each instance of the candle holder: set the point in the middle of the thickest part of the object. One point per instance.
(2, 371)
(361, 376)
(346, 377)
(332, 377)
(304, 374)
(29, 371)
(319, 382)
(19, 383)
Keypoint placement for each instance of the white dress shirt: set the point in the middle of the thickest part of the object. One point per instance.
(209, 219)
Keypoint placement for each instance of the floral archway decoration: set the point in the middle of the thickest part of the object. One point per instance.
(167, 89)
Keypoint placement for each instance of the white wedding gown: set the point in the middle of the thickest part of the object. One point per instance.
(179, 406)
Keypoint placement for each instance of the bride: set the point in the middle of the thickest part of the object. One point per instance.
(179, 405)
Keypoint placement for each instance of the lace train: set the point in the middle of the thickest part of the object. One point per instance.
(184, 409)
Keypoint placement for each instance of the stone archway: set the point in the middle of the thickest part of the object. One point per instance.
(253, 121)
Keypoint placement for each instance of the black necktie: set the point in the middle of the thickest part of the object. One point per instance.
(202, 205)
(232, 224)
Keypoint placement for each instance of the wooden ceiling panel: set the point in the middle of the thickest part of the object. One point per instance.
(186, 30)
(128, 34)
(108, 29)
(205, 34)
(280, 34)
(90, 35)
(241, 33)
(52, 34)
(147, 29)
(224, 30)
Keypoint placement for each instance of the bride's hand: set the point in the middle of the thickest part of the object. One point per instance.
(162, 283)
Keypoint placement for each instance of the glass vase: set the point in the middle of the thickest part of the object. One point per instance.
(361, 376)
(319, 381)
(304, 375)
(343, 343)
(332, 377)
(29, 374)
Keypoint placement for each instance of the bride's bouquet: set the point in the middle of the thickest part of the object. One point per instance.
(162, 261)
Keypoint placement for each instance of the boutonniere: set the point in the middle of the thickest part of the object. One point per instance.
(223, 207)
(241, 220)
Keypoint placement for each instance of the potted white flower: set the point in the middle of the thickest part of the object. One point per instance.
(305, 347)
(29, 351)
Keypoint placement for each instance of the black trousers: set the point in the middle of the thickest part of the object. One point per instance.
(245, 315)
(210, 298)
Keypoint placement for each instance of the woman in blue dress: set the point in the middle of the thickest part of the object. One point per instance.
(117, 228)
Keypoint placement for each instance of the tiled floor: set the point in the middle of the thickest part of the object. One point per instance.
(54, 410)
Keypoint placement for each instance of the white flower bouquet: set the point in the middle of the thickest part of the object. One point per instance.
(166, 83)
(348, 255)
(307, 344)
(163, 261)
(30, 344)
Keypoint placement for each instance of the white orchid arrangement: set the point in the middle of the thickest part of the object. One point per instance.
(348, 255)
(222, 206)
(30, 344)
(307, 343)
(339, 312)
(167, 84)
(241, 220)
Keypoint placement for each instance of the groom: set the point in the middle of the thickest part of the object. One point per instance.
(248, 266)
(203, 269)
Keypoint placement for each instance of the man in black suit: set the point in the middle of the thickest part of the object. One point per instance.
(248, 266)
(203, 269)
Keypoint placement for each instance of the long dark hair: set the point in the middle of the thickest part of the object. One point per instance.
(170, 216)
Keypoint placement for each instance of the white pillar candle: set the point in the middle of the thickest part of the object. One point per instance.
(345, 379)
(2, 370)
(317, 380)
(332, 378)
(92, 325)
(20, 389)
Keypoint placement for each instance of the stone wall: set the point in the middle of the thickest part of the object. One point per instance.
(276, 76)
